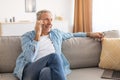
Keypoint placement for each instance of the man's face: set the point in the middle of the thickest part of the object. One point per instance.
(47, 20)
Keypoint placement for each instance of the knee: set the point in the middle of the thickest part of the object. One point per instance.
(45, 70)
(45, 74)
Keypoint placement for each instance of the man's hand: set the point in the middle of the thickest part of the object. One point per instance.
(38, 26)
(38, 29)
(96, 35)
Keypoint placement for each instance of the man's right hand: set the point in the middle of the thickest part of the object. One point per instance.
(38, 29)
(38, 26)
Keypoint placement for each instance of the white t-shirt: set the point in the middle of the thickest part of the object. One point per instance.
(46, 47)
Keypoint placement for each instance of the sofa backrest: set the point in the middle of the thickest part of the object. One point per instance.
(10, 48)
(82, 52)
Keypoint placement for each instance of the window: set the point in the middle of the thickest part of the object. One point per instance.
(106, 15)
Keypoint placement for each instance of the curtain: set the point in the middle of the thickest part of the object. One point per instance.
(83, 16)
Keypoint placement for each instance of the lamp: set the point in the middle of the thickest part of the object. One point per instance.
(30, 5)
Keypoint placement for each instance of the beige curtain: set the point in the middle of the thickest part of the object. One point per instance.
(83, 16)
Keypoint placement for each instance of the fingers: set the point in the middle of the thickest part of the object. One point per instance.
(38, 26)
(99, 36)
(40, 22)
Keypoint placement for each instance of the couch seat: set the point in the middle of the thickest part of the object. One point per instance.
(7, 76)
(86, 74)
(76, 74)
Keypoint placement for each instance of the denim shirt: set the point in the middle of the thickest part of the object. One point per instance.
(30, 48)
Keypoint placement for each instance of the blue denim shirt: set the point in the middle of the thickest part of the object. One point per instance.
(30, 47)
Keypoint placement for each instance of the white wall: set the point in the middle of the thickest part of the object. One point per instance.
(16, 8)
(106, 15)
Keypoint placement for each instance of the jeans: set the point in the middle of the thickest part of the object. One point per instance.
(46, 68)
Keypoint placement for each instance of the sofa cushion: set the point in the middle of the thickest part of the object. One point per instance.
(110, 55)
(82, 52)
(112, 34)
(7, 76)
(10, 47)
(86, 74)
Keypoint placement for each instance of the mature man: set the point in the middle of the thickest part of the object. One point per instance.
(41, 57)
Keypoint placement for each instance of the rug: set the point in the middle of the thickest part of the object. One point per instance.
(111, 74)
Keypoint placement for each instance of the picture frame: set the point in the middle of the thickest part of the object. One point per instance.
(30, 5)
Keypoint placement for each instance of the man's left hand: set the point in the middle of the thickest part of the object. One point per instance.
(96, 35)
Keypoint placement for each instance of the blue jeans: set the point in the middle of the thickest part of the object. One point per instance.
(46, 68)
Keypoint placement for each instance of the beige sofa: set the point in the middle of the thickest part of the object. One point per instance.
(82, 53)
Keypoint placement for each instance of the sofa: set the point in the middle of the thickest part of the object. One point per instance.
(82, 53)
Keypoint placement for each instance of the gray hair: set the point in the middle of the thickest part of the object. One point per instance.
(39, 13)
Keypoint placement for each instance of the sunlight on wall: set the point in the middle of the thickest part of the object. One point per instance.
(106, 15)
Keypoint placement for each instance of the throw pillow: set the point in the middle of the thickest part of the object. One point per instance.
(110, 54)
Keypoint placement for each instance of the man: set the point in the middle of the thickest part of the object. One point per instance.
(41, 57)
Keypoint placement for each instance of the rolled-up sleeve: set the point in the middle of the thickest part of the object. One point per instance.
(80, 34)
(70, 35)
